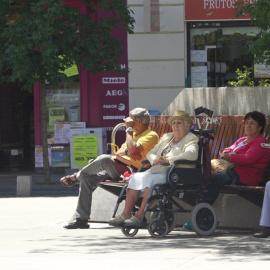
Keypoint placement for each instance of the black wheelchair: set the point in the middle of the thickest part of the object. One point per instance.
(183, 185)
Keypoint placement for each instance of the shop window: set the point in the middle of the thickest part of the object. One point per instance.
(63, 104)
(216, 51)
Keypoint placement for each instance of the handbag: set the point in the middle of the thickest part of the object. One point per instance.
(219, 165)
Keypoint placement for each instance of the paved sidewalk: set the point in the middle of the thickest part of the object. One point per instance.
(32, 237)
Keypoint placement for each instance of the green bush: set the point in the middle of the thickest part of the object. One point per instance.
(245, 78)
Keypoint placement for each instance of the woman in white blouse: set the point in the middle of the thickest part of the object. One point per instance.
(178, 144)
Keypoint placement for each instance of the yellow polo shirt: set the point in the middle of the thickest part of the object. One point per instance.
(148, 139)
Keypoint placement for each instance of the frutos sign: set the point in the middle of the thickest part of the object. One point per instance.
(206, 10)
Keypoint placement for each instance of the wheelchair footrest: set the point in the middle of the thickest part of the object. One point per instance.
(137, 225)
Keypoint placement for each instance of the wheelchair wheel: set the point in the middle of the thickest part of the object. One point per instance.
(158, 228)
(129, 232)
(170, 219)
(204, 219)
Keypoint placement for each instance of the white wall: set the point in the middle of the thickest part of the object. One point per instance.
(223, 100)
(156, 59)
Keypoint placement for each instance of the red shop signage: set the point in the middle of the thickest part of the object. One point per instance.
(208, 10)
(114, 94)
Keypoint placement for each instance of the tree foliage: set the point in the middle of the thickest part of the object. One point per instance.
(259, 12)
(245, 79)
(39, 39)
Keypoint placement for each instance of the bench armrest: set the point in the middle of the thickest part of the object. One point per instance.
(186, 162)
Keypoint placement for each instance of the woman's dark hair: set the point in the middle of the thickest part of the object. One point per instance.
(258, 117)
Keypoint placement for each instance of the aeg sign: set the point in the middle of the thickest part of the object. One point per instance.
(116, 93)
(207, 10)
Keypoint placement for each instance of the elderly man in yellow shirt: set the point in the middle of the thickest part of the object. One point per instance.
(140, 139)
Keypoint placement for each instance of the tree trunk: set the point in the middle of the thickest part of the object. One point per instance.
(46, 165)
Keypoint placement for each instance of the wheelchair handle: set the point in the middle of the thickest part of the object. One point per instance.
(203, 131)
(200, 110)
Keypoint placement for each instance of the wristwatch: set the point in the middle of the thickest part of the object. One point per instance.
(129, 129)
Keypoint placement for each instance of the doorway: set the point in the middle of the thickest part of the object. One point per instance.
(16, 128)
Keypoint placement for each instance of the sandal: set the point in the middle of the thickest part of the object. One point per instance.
(67, 182)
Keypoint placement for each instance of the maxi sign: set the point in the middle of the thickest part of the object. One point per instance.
(207, 10)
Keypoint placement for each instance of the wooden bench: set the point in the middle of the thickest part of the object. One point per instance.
(228, 130)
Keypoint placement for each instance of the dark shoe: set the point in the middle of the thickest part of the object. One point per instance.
(78, 224)
(265, 232)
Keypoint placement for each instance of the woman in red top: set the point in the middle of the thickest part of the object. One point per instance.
(248, 151)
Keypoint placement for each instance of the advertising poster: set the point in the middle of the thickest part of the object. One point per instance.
(55, 114)
(60, 155)
(61, 132)
(261, 71)
(39, 156)
(85, 148)
(199, 76)
(199, 56)
(78, 141)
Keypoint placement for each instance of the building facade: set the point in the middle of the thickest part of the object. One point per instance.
(88, 100)
(156, 53)
(178, 44)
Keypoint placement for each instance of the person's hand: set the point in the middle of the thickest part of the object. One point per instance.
(226, 156)
(222, 150)
(137, 156)
(160, 161)
(221, 153)
(129, 122)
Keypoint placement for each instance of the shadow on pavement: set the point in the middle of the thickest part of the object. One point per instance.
(224, 244)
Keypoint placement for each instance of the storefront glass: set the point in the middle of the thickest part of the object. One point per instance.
(216, 50)
(63, 105)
